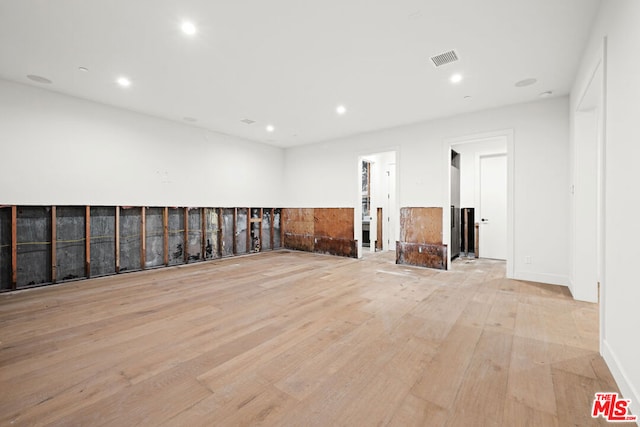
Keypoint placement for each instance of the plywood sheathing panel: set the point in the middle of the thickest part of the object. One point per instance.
(5, 248)
(154, 256)
(33, 246)
(70, 242)
(103, 240)
(421, 255)
(339, 247)
(421, 225)
(335, 223)
(298, 242)
(321, 230)
(421, 238)
(299, 221)
(298, 226)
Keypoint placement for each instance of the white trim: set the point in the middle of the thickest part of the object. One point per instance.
(621, 378)
(552, 279)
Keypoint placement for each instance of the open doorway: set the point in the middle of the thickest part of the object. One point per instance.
(480, 221)
(587, 211)
(376, 211)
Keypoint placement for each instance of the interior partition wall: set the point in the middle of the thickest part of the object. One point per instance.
(43, 245)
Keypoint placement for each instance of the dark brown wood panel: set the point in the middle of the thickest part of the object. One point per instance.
(421, 255)
(333, 222)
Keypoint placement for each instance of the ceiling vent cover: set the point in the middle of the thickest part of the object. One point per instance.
(444, 58)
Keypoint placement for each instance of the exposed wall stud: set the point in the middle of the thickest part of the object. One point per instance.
(260, 229)
(271, 226)
(117, 239)
(165, 235)
(186, 235)
(87, 241)
(14, 247)
(54, 238)
(282, 228)
(203, 234)
(249, 227)
(143, 237)
(220, 228)
(235, 230)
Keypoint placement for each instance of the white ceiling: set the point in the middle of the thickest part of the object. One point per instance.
(289, 63)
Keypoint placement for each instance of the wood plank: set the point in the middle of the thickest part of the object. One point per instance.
(235, 230)
(260, 229)
(271, 228)
(203, 233)
(165, 235)
(185, 226)
(143, 237)
(87, 241)
(248, 230)
(117, 236)
(220, 228)
(54, 245)
(14, 247)
(379, 223)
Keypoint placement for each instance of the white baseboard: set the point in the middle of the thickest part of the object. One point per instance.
(552, 279)
(626, 388)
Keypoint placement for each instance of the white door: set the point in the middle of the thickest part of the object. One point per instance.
(493, 207)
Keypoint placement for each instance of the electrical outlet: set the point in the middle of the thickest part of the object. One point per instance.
(419, 249)
(527, 260)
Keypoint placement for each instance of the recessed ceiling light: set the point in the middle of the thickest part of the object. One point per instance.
(39, 79)
(341, 109)
(124, 82)
(190, 119)
(188, 28)
(83, 69)
(526, 82)
(546, 94)
(456, 78)
(270, 128)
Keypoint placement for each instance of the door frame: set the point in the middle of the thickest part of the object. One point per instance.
(507, 135)
(357, 212)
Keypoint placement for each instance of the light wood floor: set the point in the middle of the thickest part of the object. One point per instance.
(297, 339)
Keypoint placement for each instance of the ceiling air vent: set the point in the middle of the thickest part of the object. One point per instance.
(444, 58)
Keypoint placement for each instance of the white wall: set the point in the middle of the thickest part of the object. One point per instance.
(316, 175)
(620, 292)
(62, 150)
